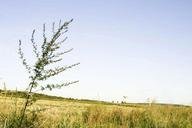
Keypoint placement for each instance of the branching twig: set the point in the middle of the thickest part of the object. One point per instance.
(47, 56)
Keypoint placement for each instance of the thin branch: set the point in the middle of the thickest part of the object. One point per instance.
(68, 51)
(23, 59)
(52, 72)
(58, 86)
(53, 28)
(44, 39)
(59, 23)
(60, 42)
(35, 50)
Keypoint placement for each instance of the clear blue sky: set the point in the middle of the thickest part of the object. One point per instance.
(138, 48)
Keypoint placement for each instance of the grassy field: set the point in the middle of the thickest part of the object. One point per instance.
(53, 112)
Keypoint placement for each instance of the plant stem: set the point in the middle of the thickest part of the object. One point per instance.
(26, 103)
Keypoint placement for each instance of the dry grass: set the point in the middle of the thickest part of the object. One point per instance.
(66, 114)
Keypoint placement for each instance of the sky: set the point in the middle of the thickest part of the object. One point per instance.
(140, 49)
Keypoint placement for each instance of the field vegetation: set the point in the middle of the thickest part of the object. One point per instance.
(58, 112)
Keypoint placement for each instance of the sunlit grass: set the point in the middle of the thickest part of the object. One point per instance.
(70, 114)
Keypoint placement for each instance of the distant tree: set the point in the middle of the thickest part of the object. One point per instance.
(47, 55)
(125, 99)
(151, 100)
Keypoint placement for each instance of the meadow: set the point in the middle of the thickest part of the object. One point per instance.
(57, 112)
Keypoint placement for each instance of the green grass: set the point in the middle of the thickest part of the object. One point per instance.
(58, 112)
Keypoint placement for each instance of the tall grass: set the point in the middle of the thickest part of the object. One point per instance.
(10, 116)
(152, 117)
(60, 114)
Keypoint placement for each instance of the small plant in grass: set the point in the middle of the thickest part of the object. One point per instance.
(47, 55)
